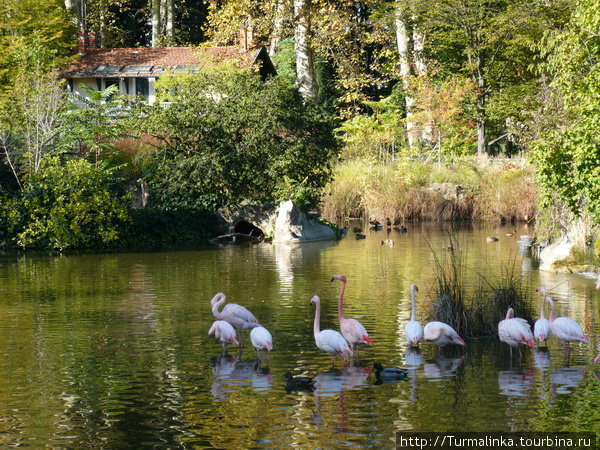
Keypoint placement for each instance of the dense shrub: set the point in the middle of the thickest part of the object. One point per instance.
(230, 137)
(71, 205)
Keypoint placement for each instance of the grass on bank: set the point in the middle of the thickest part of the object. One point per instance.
(412, 190)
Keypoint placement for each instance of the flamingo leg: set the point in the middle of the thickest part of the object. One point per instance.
(332, 360)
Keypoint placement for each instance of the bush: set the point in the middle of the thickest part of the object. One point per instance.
(74, 205)
(230, 137)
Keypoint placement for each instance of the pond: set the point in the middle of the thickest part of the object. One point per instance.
(112, 350)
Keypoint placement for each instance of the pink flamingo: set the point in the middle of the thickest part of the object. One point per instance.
(413, 329)
(261, 340)
(565, 328)
(514, 331)
(238, 316)
(352, 329)
(441, 334)
(541, 328)
(329, 341)
(223, 333)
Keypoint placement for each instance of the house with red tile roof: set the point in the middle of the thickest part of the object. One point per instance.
(135, 70)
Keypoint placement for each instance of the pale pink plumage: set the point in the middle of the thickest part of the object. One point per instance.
(238, 316)
(598, 282)
(413, 329)
(352, 330)
(223, 333)
(514, 331)
(565, 328)
(329, 341)
(441, 334)
(541, 328)
(261, 339)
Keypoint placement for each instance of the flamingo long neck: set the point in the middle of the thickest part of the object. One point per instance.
(341, 301)
(215, 307)
(542, 309)
(317, 326)
(552, 311)
(413, 314)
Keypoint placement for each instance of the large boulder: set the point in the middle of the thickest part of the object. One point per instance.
(294, 226)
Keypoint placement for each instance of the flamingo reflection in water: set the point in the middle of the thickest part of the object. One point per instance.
(563, 380)
(231, 372)
(413, 358)
(442, 367)
(336, 382)
(514, 382)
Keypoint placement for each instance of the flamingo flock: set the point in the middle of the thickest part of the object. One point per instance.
(512, 330)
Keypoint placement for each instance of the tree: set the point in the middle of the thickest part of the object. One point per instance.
(31, 116)
(567, 154)
(228, 137)
(28, 26)
(305, 65)
(490, 41)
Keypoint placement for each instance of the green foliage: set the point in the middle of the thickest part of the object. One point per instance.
(74, 205)
(34, 36)
(229, 137)
(91, 124)
(568, 157)
(377, 135)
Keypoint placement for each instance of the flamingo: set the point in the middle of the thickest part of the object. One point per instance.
(223, 333)
(598, 282)
(441, 334)
(329, 341)
(352, 329)
(514, 331)
(565, 328)
(261, 340)
(413, 329)
(541, 328)
(238, 316)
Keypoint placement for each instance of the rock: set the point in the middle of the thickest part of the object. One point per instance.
(557, 251)
(294, 226)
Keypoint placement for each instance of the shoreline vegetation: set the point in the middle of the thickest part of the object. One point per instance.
(467, 190)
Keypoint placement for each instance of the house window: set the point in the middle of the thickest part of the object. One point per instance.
(142, 87)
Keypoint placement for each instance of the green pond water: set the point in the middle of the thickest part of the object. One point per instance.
(112, 350)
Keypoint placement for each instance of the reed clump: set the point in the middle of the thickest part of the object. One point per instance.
(476, 314)
(410, 190)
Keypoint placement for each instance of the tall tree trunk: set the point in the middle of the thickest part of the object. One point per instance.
(481, 105)
(305, 67)
(277, 27)
(418, 46)
(169, 28)
(421, 70)
(404, 43)
(481, 138)
(155, 22)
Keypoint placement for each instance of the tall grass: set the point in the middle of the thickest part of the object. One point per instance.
(476, 314)
(402, 190)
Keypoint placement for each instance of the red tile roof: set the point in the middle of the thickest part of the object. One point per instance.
(167, 57)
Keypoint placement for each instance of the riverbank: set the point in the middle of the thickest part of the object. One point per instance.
(468, 189)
